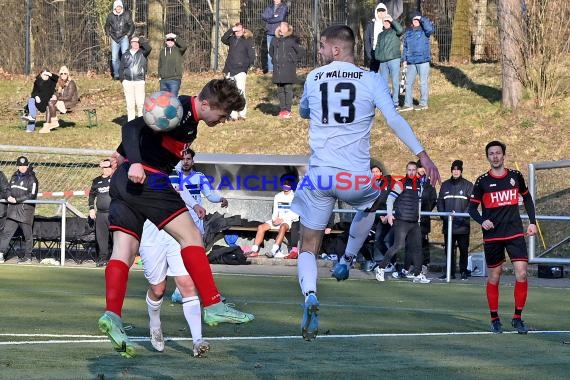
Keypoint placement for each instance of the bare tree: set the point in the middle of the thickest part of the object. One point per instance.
(510, 16)
(460, 36)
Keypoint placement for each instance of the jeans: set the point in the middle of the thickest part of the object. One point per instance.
(170, 85)
(411, 232)
(391, 70)
(421, 69)
(269, 61)
(33, 112)
(118, 47)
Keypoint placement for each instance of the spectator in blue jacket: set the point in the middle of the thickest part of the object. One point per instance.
(273, 16)
(417, 57)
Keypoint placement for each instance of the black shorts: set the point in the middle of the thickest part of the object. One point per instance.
(132, 204)
(495, 251)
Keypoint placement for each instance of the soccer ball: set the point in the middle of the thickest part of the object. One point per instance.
(162, 111)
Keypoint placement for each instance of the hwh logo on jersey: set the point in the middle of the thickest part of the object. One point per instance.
(501, 198)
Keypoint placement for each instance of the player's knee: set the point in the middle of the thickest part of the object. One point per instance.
(158, 290)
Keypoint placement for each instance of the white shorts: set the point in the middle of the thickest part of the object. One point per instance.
(318, 191)
(161, 260)
(276, 226)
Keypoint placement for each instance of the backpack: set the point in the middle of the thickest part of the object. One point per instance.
(227, 255)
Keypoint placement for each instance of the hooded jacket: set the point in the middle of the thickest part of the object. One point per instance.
(170, 60)
(241, 54)
(285, 51)
(388, 44)
(23, 187)
(373, 29)
(119, 25)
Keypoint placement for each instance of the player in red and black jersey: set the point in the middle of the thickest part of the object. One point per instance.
(140, 190)
(498, 191)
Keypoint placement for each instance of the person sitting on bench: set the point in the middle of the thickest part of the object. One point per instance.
(63, 100)
(281, 220)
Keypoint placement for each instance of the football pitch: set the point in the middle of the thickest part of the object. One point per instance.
(396, 329)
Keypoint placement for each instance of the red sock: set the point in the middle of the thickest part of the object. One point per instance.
(493, 297)
(521, 291)
(197, 264)
(116, 278)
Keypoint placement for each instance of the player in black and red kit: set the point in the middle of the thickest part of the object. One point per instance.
(498, 191)
(140, 190)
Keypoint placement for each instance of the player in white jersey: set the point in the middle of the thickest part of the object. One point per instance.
(191, 186)
(161, 257)
(340, 100)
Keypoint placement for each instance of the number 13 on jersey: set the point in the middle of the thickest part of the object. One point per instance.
(338, 97)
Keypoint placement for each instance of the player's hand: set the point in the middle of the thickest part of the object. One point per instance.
(38, 100)
(92, 214)
(384, 219)
(531, 230)
(432, 171)
(136, 173)
(224, 203)
(200, 211)
(487, 225)
(390, 218)
(116, 160)
(11, 199)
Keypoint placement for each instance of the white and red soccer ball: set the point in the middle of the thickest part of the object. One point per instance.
(162, 111)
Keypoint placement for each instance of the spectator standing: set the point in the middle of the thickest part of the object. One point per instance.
(498, 191)
(341, 108)
(170, 61)
(454, 197)
(285, 49)
(44, 88)
(417, 58)
(388, 53)
(119, 26)
(132, 73)
(428, 199)
(282, 219)
(23, 187)
(65, 98)
(403, 214)
(273, 15)
(383, 238)
(99, 202)
(241, 56)
(371, 33)
(4, 187)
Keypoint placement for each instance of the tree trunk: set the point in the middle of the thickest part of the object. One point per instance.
(480, 31)
(155, 31)
(509, 13)
(460, 37)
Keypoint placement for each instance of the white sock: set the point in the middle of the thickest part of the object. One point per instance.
(307, 272)
(254, 248)
(192, 313)
(275, 248)
(359, 229)
(153, 312)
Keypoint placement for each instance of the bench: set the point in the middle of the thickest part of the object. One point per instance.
(90, 112)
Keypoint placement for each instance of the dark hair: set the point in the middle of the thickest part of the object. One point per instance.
(495, 143)
(340, 33)
(412, 163)
(223, 94)
(377, 167)
(190, 151)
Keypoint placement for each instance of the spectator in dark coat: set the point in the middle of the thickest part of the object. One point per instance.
(4, 186)
(285, 50)
(428, 197)
(273, 15)
(373, 29)
(119, 26)
(241, 56)
(44, 88)
(23, 187)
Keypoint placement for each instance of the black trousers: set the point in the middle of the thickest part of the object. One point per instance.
(10, 228)
(411, 232)
(462, 242)
(102, 234)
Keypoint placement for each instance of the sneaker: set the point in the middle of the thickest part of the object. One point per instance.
(281, 113)
(421, 279)
(425, 270)
(176, 296)
(102, 263)
(398, 275)
(310, 322)
(279, 255)
(200, 348)
(223, 313)
(24, 260)
(409, 275)
(390, 268)
(28, 118)
(287, 114)
(293, 253)
(405, 109)
(496, 326)
(380, 274)
(518, 324)
(252, 254)
(112, 325)
(369, 265)
(463, 276)
(421, 108)
(340, 272)
(156, 339)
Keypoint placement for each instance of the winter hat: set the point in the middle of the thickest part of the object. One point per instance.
(22, 161)
(63, 70)
(135, 39)
(415, 15)
(117, 3)
(381, 6)
(457, 164)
